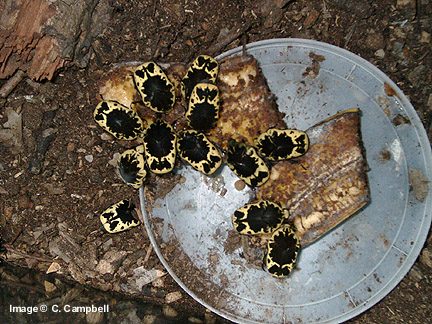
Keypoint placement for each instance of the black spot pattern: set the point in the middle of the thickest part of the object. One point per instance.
(203, 117)
(207, 94)
(264, 217)
(282, 251)
(156, 89)
(258, 218)
(160, 165)
(160, 147)
(124, 123)
(197, 150)
(278, 144)
(119, 217)
(203, 69)
(159, 139)
(125, 212)
(193, 78)
(129, 168)
(239, 226)
(193, 147)
(302, 144)
(276, 147)
(242, 163)
(118, 120)
(158, 93)
(140, 73)
(245, 162)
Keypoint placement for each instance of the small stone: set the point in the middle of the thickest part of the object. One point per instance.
(39, 207)
(49, 287)
(173, 297)
(149, 319)
(70, 147)
(380, 53)
(89, 158)
(104, 267)
(425, 37)
(106, 137)
(168, 311)
(19, 174)
(426, 258)
(397, 48)
(158, 283)
(106, 245)
(48, 132)
(194, 320)
(114, 159)
(8, 212)
(54, 267)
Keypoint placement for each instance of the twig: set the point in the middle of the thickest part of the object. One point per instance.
(16, 236)
(149, 251)
(10, 84)
(350, 33)
(45, 135)
(228, 39)
(10, 249)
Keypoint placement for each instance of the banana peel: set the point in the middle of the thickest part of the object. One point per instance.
(328, 184)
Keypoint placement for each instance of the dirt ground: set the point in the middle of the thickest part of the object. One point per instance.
(54, 182)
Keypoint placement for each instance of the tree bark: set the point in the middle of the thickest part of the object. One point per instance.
(41, 36)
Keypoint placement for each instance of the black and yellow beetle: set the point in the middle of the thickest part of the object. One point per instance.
(119, 217)
(282, 251)
(197, 150)
(156, 90)
(245, 162)
(131, 166)
(118, 120)
(204, 69)
(282, 144)
(262, 217)
(203, 109)
(160, 147)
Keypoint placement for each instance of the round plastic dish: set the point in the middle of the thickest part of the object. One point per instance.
(356, 264)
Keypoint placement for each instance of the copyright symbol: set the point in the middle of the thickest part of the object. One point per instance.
(43, 308)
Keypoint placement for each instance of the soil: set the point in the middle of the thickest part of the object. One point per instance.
(56, 181)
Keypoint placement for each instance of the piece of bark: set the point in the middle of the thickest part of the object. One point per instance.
(42, 36)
